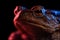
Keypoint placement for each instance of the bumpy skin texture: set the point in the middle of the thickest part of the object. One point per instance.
(32, 25)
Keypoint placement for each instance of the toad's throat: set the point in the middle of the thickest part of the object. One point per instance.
(43, 26)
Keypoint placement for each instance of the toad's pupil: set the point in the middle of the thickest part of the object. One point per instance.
(38, 11)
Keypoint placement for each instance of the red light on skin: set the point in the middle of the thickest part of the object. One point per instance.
(15, 10)
(24, 36)
(11, 36)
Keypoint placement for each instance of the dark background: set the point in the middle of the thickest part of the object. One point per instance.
(7, 7)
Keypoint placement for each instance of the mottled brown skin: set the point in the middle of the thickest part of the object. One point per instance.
(27, 24)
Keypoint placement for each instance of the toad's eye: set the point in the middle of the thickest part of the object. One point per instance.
(38, 11)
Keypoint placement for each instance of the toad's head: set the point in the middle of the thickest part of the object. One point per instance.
(33, 19)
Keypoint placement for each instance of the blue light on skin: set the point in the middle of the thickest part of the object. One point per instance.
(56, 12)
(53, 11)
(23, 8)
(59, 19)
(43, 11)
(53, 17)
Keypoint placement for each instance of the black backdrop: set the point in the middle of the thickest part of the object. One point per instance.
(7, 7)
